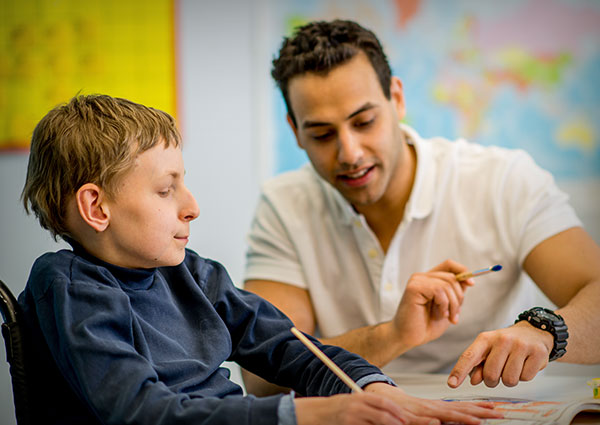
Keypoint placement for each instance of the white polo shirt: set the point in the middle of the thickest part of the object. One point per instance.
(477, 205)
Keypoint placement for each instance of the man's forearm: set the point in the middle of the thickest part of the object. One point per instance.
(378, 344)
(581, 316)
(259, 387)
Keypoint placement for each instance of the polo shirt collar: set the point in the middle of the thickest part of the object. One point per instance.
(420, 202)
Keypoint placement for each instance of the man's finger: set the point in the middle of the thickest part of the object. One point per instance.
(470, 358)
(477, 374)
(453, 305)
(494, 364)
(450, 266)
(514, 368)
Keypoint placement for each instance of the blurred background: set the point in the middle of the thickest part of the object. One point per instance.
(521, 74)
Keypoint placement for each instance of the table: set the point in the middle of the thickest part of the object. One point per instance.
(542, 388)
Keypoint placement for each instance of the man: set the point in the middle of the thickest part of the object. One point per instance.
(340, 245)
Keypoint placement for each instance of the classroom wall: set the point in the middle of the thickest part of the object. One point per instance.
(222, 75)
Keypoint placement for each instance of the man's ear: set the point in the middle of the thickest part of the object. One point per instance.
(294, 129)
(92, 208)
(397, 97)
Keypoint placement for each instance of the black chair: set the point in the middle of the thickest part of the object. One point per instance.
(14, 335)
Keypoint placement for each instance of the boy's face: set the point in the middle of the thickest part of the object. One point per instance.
(350, 130)
(150, 215)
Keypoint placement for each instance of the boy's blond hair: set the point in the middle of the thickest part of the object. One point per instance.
(91, 139)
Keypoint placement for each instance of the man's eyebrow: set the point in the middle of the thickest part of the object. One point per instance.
(365, 107)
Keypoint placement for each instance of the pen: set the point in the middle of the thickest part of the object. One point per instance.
(475, 273)
(328, 362)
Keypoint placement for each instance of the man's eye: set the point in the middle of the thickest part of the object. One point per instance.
(323, 136)
(164, 192)
(365, 123)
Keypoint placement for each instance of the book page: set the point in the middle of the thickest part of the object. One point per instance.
(530, 412)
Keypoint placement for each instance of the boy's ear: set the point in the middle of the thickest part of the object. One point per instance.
(92, 208)
(294, 129)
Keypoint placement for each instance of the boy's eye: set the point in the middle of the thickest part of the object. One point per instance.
(164, 192)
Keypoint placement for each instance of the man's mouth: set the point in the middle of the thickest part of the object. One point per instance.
(357, 174)
(358, 177)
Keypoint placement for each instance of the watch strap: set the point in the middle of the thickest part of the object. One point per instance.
(549, 321)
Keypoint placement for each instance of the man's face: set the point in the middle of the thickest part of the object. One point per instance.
(151, 212)
(349, 129)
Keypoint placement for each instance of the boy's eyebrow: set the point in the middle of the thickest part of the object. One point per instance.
(365, 107)
(174, 174)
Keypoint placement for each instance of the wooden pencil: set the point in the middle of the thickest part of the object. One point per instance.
(327, 361)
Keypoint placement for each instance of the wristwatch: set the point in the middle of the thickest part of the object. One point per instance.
(549, 321)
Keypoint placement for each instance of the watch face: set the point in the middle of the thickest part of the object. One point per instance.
(545, 315)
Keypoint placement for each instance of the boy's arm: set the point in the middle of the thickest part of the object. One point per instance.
(264, 345)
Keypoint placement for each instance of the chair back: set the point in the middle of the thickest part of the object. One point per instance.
(14, 335)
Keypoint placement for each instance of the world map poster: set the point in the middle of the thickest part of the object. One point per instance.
(517, 73)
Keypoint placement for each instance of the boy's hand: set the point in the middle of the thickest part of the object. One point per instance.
(423, 411)
(350, 409)
(431, 302)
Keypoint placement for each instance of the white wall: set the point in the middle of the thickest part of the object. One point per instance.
(221, 79)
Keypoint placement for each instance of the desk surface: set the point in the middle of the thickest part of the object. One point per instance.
(542, 388)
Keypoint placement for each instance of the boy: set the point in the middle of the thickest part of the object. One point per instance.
(130, 327)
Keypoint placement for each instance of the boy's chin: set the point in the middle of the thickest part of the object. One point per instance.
(176, 260)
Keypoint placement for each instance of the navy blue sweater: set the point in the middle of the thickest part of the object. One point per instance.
(123, 346)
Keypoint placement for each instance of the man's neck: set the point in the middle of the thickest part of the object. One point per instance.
(386, 214)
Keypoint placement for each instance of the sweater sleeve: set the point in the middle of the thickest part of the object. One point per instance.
(263, 344)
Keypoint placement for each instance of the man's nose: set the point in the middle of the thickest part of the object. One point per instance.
(349, 148)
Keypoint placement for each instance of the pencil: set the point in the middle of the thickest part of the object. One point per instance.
(475, 273)
(328, 362)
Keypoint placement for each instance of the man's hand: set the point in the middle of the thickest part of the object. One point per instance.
(513, 354)
(431, 302)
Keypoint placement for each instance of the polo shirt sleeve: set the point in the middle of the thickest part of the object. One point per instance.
(271, 253)
(534, 208)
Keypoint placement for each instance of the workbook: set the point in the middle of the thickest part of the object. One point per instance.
(529, 412)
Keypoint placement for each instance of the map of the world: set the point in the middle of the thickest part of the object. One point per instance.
(520, 74)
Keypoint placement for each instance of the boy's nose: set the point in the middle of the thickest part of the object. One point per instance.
(190, 211)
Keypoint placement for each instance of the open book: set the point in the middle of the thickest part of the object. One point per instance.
(529, 412)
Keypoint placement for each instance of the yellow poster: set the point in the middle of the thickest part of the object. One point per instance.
(52, 50)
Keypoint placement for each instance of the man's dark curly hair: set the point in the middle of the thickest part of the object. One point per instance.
(320, 46)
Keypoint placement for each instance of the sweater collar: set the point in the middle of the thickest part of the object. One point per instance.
(129, 278)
